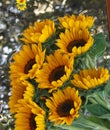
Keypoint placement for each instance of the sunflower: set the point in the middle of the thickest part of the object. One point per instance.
(26, 63)
(90, 78)
(16, 94)
(22, 90)
(55, 71)
(75, 41)
(30, 113)
(67, 21)
(88, 20)
(72, 20)
(64, 106)
(39, 32)
(21, 4)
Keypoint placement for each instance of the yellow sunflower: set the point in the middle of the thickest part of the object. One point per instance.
(29, 116)
(75, 41)
(21, 4)
(39, 32)
(90, 78)
(88, 20)
(72, 20)
(64, 106)
(67, 21)
(26, 63)
(22, 90)
(16, 94)
(55, 71)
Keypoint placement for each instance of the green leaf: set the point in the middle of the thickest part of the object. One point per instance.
(76, 125)
(99, 46)
(90, 62)
(107, 89)
(100, 121)
(102, 98)
(87, 123)
(97, 109)
(106, 116)
(73, 127)
(90, 123)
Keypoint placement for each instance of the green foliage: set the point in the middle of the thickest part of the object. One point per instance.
(99, 46)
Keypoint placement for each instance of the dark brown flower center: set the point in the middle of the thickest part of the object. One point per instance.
(21, 1)
(76, 43)
(29, 65)
(64, 108)
(57, 73)
(32, 122)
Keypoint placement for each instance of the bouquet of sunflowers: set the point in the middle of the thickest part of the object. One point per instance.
(56, 80)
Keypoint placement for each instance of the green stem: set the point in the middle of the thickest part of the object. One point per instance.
(102, 102)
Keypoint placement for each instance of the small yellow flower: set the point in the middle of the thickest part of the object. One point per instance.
(21, 4)
(39, 32)
(90, 78)
(64, 106)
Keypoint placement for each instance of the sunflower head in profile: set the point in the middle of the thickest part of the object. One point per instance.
(90, 78)
(26, 62)
(55, 71)
(88, 21)
(39, 32)
(21, 4)
(29, 116)
(22, 90)
(75, 41)
(70, 21)
(64, 106)
(17, 93)
(67, 21)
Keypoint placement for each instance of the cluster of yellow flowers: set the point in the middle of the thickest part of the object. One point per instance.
(47, 75)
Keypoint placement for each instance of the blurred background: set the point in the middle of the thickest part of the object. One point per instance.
(14, 21)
